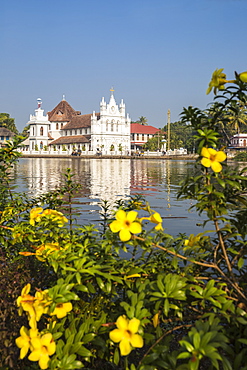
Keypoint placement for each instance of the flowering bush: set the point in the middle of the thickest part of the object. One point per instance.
(174, 303)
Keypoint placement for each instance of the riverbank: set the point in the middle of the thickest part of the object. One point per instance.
(160, 157)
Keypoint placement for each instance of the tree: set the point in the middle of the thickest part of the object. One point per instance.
(143, 120)
(25, 132)
(155, 142)
(9, 123)
(181, 136)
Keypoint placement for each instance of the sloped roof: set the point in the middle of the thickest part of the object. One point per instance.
(63, 112)
(137, 128)
(79, 121)
(75, 139)
(6, 132)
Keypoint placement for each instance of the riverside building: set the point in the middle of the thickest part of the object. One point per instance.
(65, 130)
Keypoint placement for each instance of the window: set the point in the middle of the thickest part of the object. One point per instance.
(70, 132)
(85, 131)
(33, 131)
(80, 132)
(61, 125)
(75, 132)
(142, 137)
(7, 137)
(2, 137)
(133, 136)
(57, 127)
(112, 127)
(41, 131)
(41, 145)
(137, 136)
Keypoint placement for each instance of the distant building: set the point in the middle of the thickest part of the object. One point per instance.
(64, 130)
(5, 135)
(140, 134)
(239, 141)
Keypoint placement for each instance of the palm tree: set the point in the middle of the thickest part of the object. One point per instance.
(237, 115)
(143, 120)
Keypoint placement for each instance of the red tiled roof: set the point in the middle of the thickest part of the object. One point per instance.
(81, 139)
(63, 112)
(137, 128)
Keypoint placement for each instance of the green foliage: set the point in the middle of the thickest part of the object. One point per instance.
(9, 123)
(181, 136)
(25, 131)
(142, 120)
(185, 296)
(241, 157)
(155, 142)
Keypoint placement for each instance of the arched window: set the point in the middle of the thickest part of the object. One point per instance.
(41, 131)
(41, 145)
(57, 126)
(61, 125)
(33, 131)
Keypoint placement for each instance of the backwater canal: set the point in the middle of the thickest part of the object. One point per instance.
(111, 180)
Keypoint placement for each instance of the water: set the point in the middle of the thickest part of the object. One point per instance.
(114, 179)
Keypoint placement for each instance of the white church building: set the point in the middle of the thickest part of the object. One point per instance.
(64, 130)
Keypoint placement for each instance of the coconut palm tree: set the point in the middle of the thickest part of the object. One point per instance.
(143, 120)
(237, 115)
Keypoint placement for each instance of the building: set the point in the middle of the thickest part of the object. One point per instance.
(239, 141)
(64, 130)
(5, 135)
(140, 134)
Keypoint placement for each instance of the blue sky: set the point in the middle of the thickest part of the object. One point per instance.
(157, 54)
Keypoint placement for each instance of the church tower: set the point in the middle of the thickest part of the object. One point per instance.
(110, 130)
(39, 127)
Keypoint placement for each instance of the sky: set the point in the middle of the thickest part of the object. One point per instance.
(156, 54)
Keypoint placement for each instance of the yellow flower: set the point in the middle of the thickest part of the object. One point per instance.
(156, 320)
(25, 301)
(48, 248)
(42, 348)
(217, 81)
(243, 76)
(212, 158)
(156, 218)
(35, 215)
(126, 335)
(24, 341)
(34, 306)
(62, 309)
(55, 216)
(192, 240)
(41, 303)
(126, 225)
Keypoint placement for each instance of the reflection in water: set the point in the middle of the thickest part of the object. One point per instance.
(112, 179)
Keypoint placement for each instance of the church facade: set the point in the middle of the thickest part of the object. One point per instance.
(65, 130)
